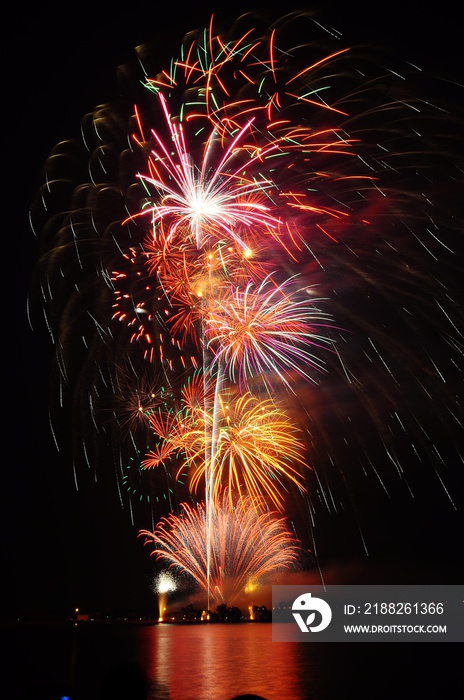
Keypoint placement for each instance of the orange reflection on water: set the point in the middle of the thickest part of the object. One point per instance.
(220, 661)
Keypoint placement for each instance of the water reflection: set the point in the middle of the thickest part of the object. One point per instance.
(217, 662)
(220, 661)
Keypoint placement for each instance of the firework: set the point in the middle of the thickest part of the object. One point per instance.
(164, 583)
(246, 547)
(265, 332)
(201, 206)
(269, 186)
(248, 443)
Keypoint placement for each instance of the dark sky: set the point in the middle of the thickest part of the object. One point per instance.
(57, 65)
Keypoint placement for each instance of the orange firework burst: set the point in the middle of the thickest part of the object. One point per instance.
(255, 447)
(249, 444)
(246, 545)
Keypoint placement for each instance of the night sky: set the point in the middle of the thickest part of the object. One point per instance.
(61, 548)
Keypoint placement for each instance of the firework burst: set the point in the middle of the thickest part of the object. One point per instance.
(254, 447)
(265, 332)
(246, 547)
(249, 444)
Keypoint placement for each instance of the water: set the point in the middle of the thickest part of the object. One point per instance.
(218, 662)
